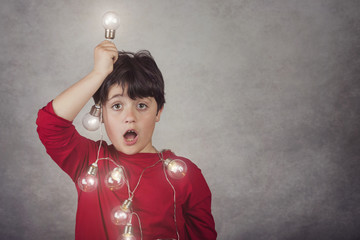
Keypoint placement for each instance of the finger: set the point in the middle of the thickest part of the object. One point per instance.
(115, 57)
(109, 48)
(107, 43)
(106, 50)
(104, 45)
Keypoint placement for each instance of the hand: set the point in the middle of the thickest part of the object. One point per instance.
(105, 55)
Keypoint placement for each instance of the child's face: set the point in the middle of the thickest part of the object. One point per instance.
(130, 123)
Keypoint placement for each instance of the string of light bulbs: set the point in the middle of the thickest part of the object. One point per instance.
(117, 177)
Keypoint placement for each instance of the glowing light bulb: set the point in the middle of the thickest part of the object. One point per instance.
(128, 233)
(121, 214)
(88, 181)
(91, 120)
(114, 180)
(176, 168)
(111, 22)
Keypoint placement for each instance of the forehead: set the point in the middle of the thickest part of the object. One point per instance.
(117, 90)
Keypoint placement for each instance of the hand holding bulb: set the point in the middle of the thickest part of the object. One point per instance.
(105, 56)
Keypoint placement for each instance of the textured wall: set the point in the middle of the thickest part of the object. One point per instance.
(262, 95)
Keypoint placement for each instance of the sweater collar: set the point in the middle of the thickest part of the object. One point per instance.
(141, 159)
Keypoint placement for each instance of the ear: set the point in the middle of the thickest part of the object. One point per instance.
(159, 114)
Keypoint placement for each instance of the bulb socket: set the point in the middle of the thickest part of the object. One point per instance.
(126, 204)
(128, 230)
(109, 34)
(93, 169)
(95, 110)
(167, 161)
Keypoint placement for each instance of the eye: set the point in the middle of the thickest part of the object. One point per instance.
(142, 106)
(116, 106)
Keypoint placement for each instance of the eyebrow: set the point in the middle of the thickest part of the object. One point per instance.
(115, 96)
(122, 95)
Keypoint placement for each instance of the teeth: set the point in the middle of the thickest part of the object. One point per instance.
(130, 131)
(130, 139)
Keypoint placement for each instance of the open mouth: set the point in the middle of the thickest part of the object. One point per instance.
(130, 137)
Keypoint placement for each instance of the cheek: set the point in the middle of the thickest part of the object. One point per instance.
(110, 116)
(110, 125)
(149, 125)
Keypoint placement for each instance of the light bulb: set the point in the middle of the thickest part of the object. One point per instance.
(114, 180)
(128, 233)
(88, 181)
(176, 168)
(121, 214)
(91, 120)
(111, 22)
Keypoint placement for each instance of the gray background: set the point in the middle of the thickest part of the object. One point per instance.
(262, 95)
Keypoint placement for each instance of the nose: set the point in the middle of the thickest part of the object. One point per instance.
(129, 115)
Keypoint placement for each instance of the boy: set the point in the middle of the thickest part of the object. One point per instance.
(130, 89)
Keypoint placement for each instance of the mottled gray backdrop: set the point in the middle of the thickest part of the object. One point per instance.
(263, 95)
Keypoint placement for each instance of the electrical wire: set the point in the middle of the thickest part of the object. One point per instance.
(132, 193)
(137, 215)
(177, 231)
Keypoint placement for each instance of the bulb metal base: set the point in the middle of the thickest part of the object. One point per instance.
(126, 204)
(95, 110)
(109, 34)
(128, 230)
(93, 169)
(167, 161)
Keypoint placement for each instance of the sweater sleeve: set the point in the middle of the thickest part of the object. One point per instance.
(62, 142)
(199, 222)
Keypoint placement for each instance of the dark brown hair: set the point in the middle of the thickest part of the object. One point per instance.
(139, 73)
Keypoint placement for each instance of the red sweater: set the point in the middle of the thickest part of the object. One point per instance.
(153, 200)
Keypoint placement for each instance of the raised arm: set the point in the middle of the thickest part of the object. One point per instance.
(69, 103)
